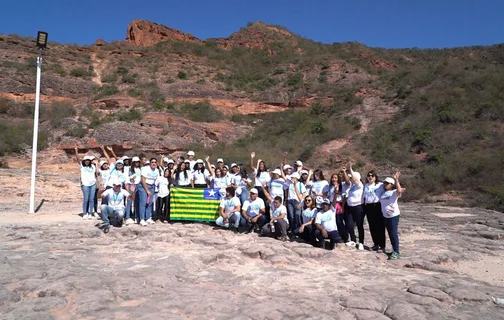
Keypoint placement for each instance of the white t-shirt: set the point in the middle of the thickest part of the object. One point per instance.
(308, 214)
(389, 205)
(88, 177)
(150, 175)
(355, 195)
(105, 175)
(182, 181)
(191, 165)
(276, 212)
(276, 188)
(373, 192)
(320, 187)
(327, 220)
(292, 195)
(116, 175)
(239, 182)
(332, 191)
(287, 182)
(115, 200)
(217, 182)
(229, 204)
(264, 177)
(163, 186)
(135, 178)
(253, 208)
(200, 177)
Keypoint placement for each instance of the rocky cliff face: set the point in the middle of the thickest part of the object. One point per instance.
(146, 33)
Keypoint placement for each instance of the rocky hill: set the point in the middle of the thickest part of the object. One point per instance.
(436, 114)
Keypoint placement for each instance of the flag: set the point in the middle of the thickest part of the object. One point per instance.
(194, 204)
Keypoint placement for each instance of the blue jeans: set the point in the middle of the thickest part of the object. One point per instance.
(144, 208)
(293, 214)
(89, 196)
(392, 230)
(243, 195)
(108, 212)
(340, 223)
(333, 237)
(307, 234)
(260, 222)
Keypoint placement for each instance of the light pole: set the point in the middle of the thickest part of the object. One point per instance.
(42, 44)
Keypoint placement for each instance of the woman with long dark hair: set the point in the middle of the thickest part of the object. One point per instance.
(337, 205)
(183, 176)
(241, 182)
(306, 230)
(217, 177)
(134, 179)
(373, 190)
(163, 200)
(88, 184)
(319, 187)
(200, 174)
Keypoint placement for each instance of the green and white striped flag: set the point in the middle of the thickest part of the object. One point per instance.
(192, 204)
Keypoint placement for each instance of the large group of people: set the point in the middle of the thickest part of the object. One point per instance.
(285, 202)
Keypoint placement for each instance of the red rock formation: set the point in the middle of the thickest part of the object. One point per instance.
(100, 42)
(146, 33)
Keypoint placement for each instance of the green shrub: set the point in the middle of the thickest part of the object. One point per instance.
(182, 75)
(77, 131)
(58, 111)
(109, 78)
(201, 112)
(129, 78)
(59, 70)
(295, 79)
(169, 80)
(131, 115)
(79, 73)
(15, 137)
(106, 90)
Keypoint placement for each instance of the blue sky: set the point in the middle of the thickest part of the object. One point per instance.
(389, 24)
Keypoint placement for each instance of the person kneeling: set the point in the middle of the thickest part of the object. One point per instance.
(229, 210)
(279, 223)
(115, 208)
(325, 224)
(253, 212)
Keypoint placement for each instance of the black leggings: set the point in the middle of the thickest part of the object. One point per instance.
(355, 214)
(163, 208)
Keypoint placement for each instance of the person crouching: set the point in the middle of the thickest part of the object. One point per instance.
(325, 224)
(115, 208)
(253, 212)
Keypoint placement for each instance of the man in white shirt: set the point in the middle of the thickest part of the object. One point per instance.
(115, 207)
(253, 211)
(325, 224)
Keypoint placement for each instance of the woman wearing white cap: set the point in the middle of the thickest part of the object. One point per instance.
(183, 176)
(354, 206)
(115, 207)
(134, 179)
(253, 212)
(391, 212)
(200, 174)
(163, 200)
(276, 185)
(217, 177)
(190, 158)
(295, 194)
(146, 191)
(325, 224)
(88, 184)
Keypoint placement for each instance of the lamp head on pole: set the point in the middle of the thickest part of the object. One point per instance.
(42, 39)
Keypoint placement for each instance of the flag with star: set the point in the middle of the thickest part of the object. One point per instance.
(194, 204)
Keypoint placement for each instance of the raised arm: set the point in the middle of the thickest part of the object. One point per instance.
(161, 160)
(282, 172)
(399, 189)
(252, 156)
(354, 178)
(77, 155)
(266, 192)
(284, 159)
(109, 148)
(345, 176)
(209, 166)
(105, 154)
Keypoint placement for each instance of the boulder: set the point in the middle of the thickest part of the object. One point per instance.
(146, 33)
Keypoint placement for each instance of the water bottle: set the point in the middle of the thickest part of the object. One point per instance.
(273, 228)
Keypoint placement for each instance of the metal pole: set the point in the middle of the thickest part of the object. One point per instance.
(35, 137)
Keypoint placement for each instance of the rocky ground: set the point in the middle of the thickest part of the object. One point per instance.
(57, 266)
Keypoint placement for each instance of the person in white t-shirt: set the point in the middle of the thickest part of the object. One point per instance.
(319, 187)
(279, 223)
(134, 179)
(191, 160)
(307, 229)
(373, 190)
(163, 200)
(88, 184)
(253, 212)
(391, 212)
(276, 185)
(217, 178)
(183, 176)
(354, 210)
(229, 210)
(337, 205)
(146, 191)
(241, 181)
(115, 207)
(295, 193)
(261, 175)
(325, 224)
(200, 174)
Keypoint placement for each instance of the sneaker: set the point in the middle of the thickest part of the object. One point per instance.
(350, 244)
(226, 225)
(394, 256)
(129, 221)
(143, 223)
(375, 248)
(150, 221)
(360, 247)
(85, 216)
(106, 229)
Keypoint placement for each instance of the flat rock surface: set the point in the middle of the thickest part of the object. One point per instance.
(54, 265)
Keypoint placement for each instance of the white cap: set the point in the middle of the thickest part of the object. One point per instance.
(187, 161)
(87, 158)
(254, 190)
(190, 153)
(170, 161)
(220, 160)
(92, 157)
(116, 182)
(135, 159)
(389, 180)
(277, 171)
(299, 163)
(212, 166)
(225, 166)
(318, 201)
(165, 159)
(304, 172)
(119, 162)
(357, 175)
(234, 165)
(295, 175)
(102, 162)
(124, 158)
(287, 167)
(200, 161)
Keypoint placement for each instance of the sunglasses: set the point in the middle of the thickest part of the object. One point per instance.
(308, 200)
(370, 175)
